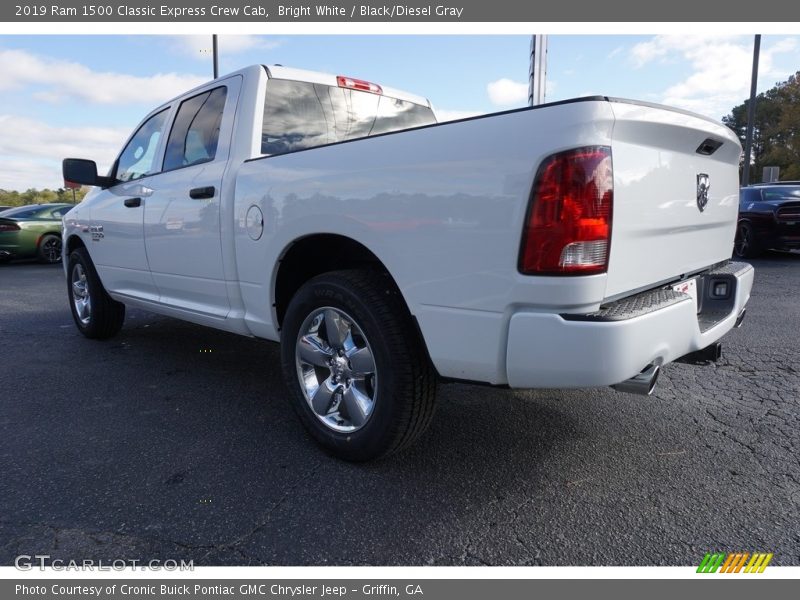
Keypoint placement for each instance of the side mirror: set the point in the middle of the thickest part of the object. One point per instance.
(83, 172)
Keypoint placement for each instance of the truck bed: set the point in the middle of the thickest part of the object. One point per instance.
(443, 208)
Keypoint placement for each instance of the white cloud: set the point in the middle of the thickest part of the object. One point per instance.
(506, 92)
(666, 48)
(443, 114)
(21, 175)
(616, 51)
(63, 79)
(199, 46)
(31, 151)
(720, 68)
(785, 45)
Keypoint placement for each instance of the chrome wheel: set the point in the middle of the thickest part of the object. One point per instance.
(51, 249)
(80, 294)
(336, 369)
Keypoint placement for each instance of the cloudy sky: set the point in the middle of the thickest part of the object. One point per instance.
(82, 95)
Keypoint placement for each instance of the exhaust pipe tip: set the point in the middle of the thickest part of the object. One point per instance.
(642, 384)
(656, 371)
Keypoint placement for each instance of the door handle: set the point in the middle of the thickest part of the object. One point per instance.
(132, 202)
(200, 193)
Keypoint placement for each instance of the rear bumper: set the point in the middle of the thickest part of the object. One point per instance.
(780, 235)
(18, 244)
(548, 350)
(785, 242)
(8, 251)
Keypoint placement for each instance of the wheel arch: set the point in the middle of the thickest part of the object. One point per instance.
(46, 234)
(72, 243)
(315, 254)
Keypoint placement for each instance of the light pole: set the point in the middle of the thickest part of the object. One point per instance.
(751, 113)
(537, 73)
(214, 52)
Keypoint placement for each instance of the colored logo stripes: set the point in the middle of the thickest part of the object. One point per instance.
(734, 562)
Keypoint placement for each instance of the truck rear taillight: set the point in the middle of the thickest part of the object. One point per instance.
(568, 227)
(358, 84)
(8, 227)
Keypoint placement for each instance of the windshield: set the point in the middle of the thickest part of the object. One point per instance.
(299, 115)
(782, 193)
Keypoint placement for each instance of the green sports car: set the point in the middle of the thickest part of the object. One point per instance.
(32, 231)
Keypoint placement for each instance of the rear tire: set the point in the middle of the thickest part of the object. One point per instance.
(49, 250)
(745, 244)
(381, 387)
(95, 313)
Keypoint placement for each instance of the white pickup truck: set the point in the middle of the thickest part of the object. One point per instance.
(574, 244)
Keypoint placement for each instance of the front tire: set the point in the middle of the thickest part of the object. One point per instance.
(356, 370)
(95, 313)
(49, 250)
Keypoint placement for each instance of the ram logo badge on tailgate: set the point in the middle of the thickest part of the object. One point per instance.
(703, 185)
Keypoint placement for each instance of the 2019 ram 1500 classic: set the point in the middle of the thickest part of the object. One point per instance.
(574, 244)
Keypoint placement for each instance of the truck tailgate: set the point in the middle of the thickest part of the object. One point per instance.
(662, 228)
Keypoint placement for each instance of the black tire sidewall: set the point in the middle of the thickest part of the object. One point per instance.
(107, 315)
(375, 436)
(753, 249)
(40, 249)
(75, 258)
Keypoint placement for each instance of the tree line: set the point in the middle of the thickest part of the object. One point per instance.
(776, 129)
(45, 196)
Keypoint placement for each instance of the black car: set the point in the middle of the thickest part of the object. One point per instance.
(769, 218)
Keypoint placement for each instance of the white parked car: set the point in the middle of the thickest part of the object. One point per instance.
(575, 244)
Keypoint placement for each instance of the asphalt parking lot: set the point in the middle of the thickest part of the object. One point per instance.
(176, 442)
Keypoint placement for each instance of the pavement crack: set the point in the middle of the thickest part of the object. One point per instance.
(58, 532)
(262, 522)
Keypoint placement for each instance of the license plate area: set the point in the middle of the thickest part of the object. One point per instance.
(689, 287)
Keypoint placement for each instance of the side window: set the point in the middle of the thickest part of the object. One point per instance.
(195, 133)
(139, 156)
(60, 212)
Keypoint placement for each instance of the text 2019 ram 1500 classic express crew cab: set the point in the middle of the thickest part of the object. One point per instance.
(576, 244)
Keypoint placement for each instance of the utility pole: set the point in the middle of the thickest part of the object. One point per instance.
(751, 113)
(537, 75)
(214, 52)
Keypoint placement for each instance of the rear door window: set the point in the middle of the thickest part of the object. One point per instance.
(27, 212)
(23, 212)
(195, 133)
